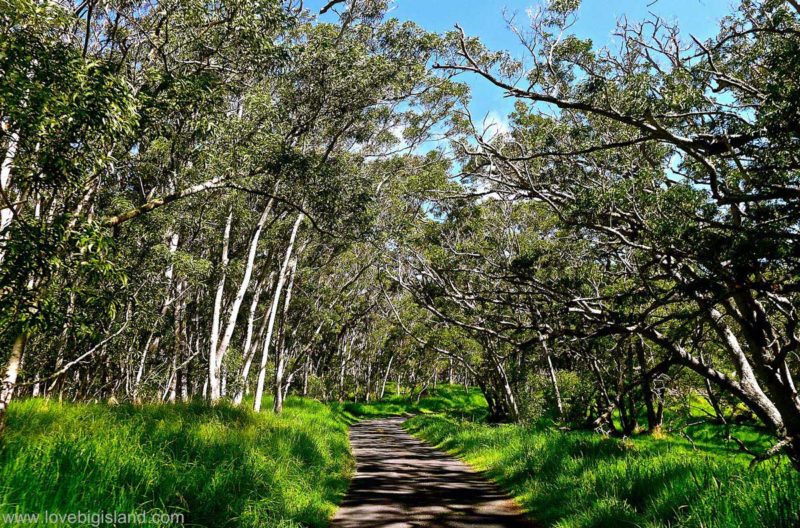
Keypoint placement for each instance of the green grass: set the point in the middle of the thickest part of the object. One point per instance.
(452, 400)
(581, 479)
(220, 466)
(226, 466)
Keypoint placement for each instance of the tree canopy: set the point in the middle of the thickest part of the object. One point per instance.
(217, 200)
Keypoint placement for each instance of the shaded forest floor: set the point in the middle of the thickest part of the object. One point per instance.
(227, 466)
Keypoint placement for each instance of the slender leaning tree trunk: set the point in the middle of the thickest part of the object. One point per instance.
(553, 379)
(153, 341)
(282, 277)
(248, 340)
(214, 388)
(280, 360)
(386, 377)
(6, 210)
(250, 352)
(243, 287)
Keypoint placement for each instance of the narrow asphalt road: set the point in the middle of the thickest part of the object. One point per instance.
(401, 482)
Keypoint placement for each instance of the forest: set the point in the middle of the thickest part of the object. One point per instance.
(232, 231)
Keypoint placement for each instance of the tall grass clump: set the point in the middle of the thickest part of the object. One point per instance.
(220, 466)
(581, 479)
(452, 400)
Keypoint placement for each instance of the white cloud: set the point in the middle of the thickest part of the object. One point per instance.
(494, 124)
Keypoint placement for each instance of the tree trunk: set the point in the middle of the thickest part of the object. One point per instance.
(249, 348)
(10, 378)
(243, 286)
(153, 340)
(6, 211)
(450, 378)
(553, 380)
(213, 364)
(282, 277)
(653, 417)
(344, 358)
(368, 385)
(508, 393)
(173, 379)
(280, 360)
(759, 401)
(386, 377)
(306, 368)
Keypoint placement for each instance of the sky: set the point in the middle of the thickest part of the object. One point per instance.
(597, 20)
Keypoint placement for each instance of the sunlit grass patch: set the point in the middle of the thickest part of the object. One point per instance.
(219, 466)
(452, 400)
(581, 479)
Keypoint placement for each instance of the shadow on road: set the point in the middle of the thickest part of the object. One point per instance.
(402, 483)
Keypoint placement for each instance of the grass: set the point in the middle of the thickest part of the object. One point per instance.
(451, 400)
(220, 466)
(581, 479)
(228, 467)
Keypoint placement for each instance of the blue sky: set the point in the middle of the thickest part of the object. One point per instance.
(597, 20)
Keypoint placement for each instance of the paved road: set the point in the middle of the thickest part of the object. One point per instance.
(402, 483)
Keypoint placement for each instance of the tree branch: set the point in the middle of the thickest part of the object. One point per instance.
(214, 183)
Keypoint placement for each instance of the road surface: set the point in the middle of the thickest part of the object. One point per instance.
(401, 482)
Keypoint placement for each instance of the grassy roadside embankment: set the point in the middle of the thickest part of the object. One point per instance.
(581, 479)
(219, 466)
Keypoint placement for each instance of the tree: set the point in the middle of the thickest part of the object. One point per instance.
(673, 162)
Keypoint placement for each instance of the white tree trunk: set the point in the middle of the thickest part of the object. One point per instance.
(553, 380)
(12, 369)
(747, 378)
(280, 360)
(178, 341)
(282, 276)
(508, 393)
(306, 368)
(250, 352)
(154, 340)
(214, 388)
(243, 287)
(386, 377)
(6, 211)
(344, 359)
